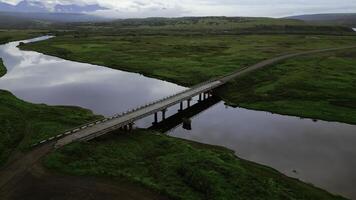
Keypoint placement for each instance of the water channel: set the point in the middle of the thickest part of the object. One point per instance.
(318, 152)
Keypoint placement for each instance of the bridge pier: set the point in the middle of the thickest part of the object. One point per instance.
(156, 118)
(164, 114)
(188, 102)
(181, 106)
(200, 97)
(204, 96)
(210, 93)
(130, 126)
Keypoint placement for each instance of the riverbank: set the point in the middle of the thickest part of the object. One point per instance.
(24, 123)
(178, 169)
(218, 169)
(7, 35)
(189, 60)
(185, 60)
(318, 86)
(2, 68)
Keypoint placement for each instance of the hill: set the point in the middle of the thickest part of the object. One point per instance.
(15, 22)
(344, 19)
(211, 25)
(32, 20)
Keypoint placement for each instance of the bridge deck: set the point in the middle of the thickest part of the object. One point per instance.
(110, 124)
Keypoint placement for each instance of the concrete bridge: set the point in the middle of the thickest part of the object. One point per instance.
(127, 119)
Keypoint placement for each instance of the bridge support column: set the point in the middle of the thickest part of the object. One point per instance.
(188, 102)
(200, 97)
(164, 114)
(210, 93)
(204, 95)
(156, 118)
(130, 126)
(181, 106)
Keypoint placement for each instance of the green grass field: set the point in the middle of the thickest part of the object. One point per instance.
(179, 169)
(23, 123)
(203, 26)
(172, 167)
(316, 86)
(12, 35)
(320, 86)
(2, 68)
(186, 60)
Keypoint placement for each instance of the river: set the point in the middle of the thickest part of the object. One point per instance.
(318, 152)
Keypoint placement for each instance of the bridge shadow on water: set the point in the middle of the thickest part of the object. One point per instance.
(183, 117)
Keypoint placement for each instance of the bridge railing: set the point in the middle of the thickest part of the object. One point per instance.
(93, 123)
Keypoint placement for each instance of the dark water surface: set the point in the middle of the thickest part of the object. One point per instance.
(322, 153)
(39, 78)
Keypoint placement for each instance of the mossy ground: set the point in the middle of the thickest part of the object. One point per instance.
(186, 60)
(12, 35)
(178, 168)
(319, 86)
(23, 123)
(174, 167)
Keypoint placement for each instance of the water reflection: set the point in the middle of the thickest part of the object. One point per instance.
(322, 153)
(40, 78)
(318, 152)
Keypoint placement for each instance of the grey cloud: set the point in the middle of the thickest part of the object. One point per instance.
(175, 8)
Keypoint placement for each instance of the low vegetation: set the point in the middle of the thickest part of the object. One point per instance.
(176, 168)
(2, 68)
(186, 60)
(205, 26)
(319, 86)
(23, 124)
(341, 19)
(179, 169)
(11, 35)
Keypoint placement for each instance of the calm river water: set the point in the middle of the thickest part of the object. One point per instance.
(321, 153)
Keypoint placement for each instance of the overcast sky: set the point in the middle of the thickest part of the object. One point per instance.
(176, 8)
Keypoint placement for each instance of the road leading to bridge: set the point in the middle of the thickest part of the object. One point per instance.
(104, 126)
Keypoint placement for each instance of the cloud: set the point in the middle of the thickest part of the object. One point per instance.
(176, 8)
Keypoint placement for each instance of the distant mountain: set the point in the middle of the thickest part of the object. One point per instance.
(40, 7)
(52, 17)
(14, 22)
(345, 19)
(72, 8)
(27, 6)
(31, 13)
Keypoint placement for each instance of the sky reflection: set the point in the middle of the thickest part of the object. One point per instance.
(40, 78)
(322, 153)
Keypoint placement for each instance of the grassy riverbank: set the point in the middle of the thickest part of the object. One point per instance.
(317, 86)
(176, 168)
(2, 68)
(186, 60)
(179, 169)
(13, 35)
(23, 123)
